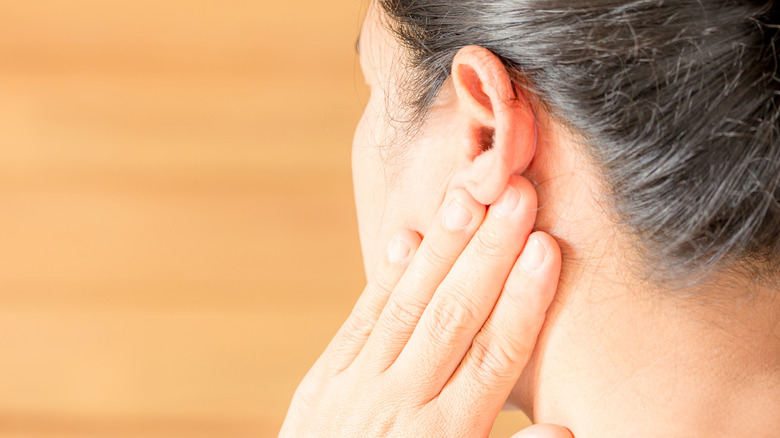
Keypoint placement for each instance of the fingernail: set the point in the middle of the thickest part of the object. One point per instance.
(508, 201)
(397, 250)
(456, 217)
(533, 254)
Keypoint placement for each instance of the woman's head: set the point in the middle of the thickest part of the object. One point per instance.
(650, 130)
(673, 106)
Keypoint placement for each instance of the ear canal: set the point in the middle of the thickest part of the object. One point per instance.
(487, 138)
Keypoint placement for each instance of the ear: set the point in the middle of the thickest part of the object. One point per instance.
(500, 124)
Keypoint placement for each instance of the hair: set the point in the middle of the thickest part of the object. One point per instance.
(677, 102)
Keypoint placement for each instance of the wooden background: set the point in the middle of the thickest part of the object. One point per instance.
(177, 230)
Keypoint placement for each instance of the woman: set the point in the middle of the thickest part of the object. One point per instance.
(646, 132)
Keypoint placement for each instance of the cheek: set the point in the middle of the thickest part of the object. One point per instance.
(368, 183)
(394, 188)
(380, 177)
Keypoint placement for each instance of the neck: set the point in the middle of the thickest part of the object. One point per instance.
(620, 358)
(617, 361)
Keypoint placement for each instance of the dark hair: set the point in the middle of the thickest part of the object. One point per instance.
(677, 100)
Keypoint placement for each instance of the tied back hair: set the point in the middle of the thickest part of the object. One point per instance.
(677, 102)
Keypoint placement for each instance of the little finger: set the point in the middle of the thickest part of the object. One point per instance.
(351, 337)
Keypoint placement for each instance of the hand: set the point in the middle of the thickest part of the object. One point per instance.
(442, 331)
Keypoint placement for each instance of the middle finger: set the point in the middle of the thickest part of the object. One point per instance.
(468, 294)
(456, 223)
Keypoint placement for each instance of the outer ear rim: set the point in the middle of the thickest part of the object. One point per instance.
(509, 113)
(476, 63)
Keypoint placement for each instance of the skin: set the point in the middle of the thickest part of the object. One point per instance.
(446, 324)
(616, 356)
(433, 332)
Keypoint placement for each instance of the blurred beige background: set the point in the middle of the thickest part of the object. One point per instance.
(177, 231)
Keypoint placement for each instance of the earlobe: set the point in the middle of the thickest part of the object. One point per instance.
(501, 126)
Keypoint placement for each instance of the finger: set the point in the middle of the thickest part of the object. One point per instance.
(503, 346)
(352, 335)
(454, 226)
(467, 295)
(544, 431)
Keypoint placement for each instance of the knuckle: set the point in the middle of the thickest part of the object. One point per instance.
(492, 359)
(433, 256)
(491, 245)
(347, 343)
(449, 318)
(405, 314)
(384, 284)
(357, 328)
